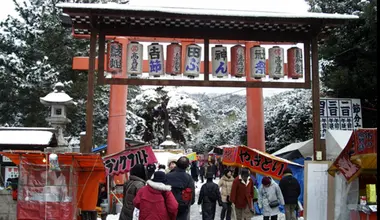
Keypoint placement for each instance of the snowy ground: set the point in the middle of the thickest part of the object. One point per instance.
(194, 211)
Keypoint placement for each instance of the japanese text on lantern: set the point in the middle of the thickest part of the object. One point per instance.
(240, 60)
(115, 56)
(124, 161)
(134, 57)
(155, 64)
(193, 53)
(260, 163)
(221, 56)
(339, 114)
(298, 65)
(278, 61)
(177, 60)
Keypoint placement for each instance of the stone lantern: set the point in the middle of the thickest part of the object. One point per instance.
(168, 143)
(58, 100)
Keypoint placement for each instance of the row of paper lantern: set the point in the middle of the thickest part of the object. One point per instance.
(192, 65)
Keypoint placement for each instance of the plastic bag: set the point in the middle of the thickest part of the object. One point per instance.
(300, 207)
(136, 214)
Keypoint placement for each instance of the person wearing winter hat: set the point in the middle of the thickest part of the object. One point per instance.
(291, 190)
(270, 197)
(155, 200)
(137, 178)
(150, 168)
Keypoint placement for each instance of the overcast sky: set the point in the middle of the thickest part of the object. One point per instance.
(291, 6)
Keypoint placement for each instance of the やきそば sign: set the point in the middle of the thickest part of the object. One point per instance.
(125, 160)
(256, 161)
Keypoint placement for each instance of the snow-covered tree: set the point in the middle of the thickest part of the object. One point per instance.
(36, 51)
(222, 121)
(166, 112)
(288, 118)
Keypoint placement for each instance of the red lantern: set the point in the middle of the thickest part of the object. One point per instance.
(173, 59)
(114, 57)
(238, 61)
(295, 67)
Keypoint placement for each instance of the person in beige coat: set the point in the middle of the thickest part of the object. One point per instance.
(225, 184)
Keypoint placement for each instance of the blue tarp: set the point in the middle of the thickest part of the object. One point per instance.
(298, 173)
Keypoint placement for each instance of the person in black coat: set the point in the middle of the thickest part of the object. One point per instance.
(194, 170)
(180, 180)
(291, 190)
(208, 197)
(102, 194)
(202, 171)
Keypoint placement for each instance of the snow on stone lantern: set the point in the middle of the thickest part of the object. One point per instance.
(168, 143)
(58, 100)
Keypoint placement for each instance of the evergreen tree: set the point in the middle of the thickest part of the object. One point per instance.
(166, 112)
(36, 51)
(349, 55)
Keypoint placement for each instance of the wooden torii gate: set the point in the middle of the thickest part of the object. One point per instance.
(116, 128)
(102, 20)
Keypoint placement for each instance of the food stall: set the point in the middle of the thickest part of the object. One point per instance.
(355, 171)
(257, 161)
(56, 186)
(121, 163)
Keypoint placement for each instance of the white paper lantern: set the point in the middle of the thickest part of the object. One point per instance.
(155, 60)
(258, 62)
(219, 61)
(276, 62)
(192, 60)
(134, 59)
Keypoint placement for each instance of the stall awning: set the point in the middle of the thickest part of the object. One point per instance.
(78, 160)
(360, 154)
(257, 161)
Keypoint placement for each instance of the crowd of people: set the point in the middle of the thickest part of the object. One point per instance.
(168, 194)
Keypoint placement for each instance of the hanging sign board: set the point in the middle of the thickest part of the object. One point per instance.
(257, 161)
(365, 141)
(344, 164)
(340, 114)
(124, 161)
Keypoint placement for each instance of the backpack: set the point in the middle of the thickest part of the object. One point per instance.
(183, 196)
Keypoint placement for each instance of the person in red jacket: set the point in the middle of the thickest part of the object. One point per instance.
(155, 200)
(242, 195)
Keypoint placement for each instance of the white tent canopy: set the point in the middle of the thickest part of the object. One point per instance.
(305, 148)
(166, 157)
(336, 141)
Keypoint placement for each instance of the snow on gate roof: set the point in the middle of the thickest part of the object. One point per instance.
(26, 137)
(121, 16)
